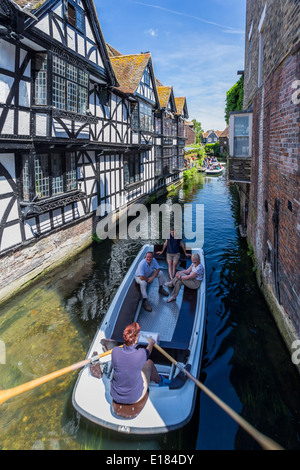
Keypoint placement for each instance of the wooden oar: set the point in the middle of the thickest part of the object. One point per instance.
(264, 441)
(13, 392)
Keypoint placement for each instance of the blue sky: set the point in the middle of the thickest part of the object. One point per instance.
(197, 46)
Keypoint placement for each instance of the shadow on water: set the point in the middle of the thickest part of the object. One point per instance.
(52, 323)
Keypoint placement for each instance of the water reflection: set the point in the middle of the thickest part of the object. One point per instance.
(52, 324)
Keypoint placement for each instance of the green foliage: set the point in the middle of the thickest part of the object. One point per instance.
(198, 131)
(96, 239)
(188, 174)
(212, 149)
(234, 98)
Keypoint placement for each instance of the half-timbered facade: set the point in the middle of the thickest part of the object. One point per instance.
(168, 161)
(182, 116)
(77, 125)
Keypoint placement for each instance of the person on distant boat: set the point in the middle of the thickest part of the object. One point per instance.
(173, 252)
(191, 277)
(147, 271)
(132, 369)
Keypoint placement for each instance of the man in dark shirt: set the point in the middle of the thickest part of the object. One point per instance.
(133, 370)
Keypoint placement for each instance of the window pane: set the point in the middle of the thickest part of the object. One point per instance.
(241, 146)
(59, 66)
(41, 79)
(82, 100)
(59, 92)
(131, 170)
(71, 181)
(71, 73)
(135, 116)
(41, 167)
(83, 78)
(137, 168)
(79, 19)
(126, 172)
(241, 126)
(25, 177)
(57, 177)
(72, 97)
(71, 14)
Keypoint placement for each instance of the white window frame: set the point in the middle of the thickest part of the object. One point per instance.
(232, 118)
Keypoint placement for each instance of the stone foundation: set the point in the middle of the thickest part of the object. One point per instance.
(22, 265)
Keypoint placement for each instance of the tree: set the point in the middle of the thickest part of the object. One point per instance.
(198, 131)
(234, 98)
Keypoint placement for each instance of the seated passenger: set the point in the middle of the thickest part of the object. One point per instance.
(147, 271)
(191, 277)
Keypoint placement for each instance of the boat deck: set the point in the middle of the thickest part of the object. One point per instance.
(164, 316)
(173, 321)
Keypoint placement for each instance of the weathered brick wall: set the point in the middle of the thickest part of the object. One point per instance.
(190, 135)
(281, 33)
(276, 175)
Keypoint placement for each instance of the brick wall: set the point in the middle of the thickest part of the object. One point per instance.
(281, 33)
(190, 135)
(276, 176)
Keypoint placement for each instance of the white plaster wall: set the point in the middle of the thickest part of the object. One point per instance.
(7, 52)
(5, 86)
(11, 237)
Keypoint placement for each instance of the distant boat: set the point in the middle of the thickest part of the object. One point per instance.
(181, 329)
(215, 169)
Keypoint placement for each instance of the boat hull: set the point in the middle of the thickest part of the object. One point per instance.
(166, 409)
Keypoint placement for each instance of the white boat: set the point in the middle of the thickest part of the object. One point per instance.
(215, 169)
(181, 329)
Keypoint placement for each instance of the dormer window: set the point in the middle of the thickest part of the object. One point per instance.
(147, 77)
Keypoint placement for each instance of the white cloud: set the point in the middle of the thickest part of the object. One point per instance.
(203, 71)
(152, 32)
(229, 29)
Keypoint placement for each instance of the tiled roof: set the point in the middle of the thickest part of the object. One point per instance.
(164, 93)
(112, 52)
(180, 102)
(129, 70)
(225, 133)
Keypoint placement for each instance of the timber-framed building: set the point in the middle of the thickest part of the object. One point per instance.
(77, 132)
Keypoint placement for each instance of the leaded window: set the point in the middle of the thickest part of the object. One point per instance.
(42, 178)
(53, 174)
(158, 125)
(146, 117)
(135, 115)
(70, 87)
(41, 79)
(132, 169)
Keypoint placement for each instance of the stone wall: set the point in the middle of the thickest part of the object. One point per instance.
(24, 264)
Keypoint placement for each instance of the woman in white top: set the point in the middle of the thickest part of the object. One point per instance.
(190, 277)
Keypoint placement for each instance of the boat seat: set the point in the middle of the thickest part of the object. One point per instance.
(127, 311)
(130, 411)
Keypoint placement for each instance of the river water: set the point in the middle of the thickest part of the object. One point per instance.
(51, 325)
